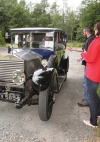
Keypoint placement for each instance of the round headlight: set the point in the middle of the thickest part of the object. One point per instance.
(18, 77)
(44, 62)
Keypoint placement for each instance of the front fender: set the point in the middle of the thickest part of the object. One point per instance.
(64, 65)
(41, 78)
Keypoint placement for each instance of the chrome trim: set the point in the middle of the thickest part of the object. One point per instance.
(11, 85)
(7, 67)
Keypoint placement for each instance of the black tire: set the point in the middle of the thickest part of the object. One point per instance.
(45, 104)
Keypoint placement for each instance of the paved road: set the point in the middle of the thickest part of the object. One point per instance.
(3, 51)
(65, 124)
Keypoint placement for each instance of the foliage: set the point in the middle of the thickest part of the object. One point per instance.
(71, 24)
(88, 16)
(5, 6)
(17, 21)
(2, 40)
(40, 11)
(14, 15)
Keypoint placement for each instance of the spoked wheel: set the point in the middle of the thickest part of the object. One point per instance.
(46, 103)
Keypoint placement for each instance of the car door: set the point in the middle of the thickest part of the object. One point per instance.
(58, 45)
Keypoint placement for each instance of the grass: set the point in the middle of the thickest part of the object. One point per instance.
(1, 56)
(97, 133)
(75, 44)
(4, 46)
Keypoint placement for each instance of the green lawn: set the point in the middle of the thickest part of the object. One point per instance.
(75, 44)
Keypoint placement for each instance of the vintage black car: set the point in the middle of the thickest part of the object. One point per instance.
(34, 68)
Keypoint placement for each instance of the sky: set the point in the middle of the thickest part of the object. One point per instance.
(71, 3)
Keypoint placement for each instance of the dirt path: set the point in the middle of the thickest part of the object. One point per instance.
(66, 122)
(3, 51)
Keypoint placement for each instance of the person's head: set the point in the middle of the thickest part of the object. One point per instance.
(46, 38)
(32, 38)
(87, 31)
(97, 29)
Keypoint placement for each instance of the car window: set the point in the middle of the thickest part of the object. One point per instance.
(59, 41)
(34, 40)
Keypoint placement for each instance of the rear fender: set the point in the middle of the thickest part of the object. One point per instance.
(42, 78)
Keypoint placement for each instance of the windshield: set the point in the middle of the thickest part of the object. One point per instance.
(33, 40)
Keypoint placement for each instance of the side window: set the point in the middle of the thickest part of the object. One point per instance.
(55, 37)
(59, 41)
(63, 38)
(60, 37)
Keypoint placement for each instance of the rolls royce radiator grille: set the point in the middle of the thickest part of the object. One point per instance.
(7, 67)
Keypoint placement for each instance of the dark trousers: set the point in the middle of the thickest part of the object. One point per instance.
(94, 101)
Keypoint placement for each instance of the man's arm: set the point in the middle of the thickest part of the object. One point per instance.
(60, 45)
(75, 49)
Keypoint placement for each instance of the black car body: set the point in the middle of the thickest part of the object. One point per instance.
(34, 68)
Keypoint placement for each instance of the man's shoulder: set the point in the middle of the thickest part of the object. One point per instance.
(91, 37)
(88, 41)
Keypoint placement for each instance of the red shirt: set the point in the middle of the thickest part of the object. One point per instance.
(92, 58)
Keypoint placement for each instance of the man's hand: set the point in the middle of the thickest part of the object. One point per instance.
(79, 59)
(70, 48)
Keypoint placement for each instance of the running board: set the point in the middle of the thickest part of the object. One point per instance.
(61, 80)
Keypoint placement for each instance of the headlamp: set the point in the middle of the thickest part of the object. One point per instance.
(44, 63)
(18, 77)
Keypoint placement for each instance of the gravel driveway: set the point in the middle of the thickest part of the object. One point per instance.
(66, 122)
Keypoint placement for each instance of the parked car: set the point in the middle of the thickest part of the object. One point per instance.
(35, 68)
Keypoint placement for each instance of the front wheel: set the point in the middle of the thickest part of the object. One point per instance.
(46, 103)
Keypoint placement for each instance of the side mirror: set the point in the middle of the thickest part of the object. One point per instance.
(6, 35)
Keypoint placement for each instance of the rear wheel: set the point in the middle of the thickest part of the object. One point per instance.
(46, 103)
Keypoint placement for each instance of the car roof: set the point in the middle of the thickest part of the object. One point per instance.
(32, 29)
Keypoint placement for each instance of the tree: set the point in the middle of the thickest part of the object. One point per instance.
(70, 21)
(2, 41)
(22, 3)
(5, 6)
(14, 14)
(19, 17)
(3, 19)
(40, 15)
(88, 16)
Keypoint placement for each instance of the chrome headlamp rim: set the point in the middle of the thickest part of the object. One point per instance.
(44, 63)
(18, 77)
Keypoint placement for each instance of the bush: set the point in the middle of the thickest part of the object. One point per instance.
(2, 40)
